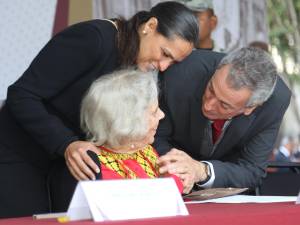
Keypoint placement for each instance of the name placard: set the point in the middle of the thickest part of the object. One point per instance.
(126, 199)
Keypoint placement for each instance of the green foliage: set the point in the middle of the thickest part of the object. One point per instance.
(295, 78)
(282, 33)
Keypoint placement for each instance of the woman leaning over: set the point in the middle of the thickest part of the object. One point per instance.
(40, 124)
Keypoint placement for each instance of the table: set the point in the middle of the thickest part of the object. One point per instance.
(293, 166)
(205, 213)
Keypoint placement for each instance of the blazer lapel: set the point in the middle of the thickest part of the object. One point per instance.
(200, 136)
(233, 134)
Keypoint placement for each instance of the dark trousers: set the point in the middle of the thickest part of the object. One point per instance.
(26, 189)
(23, 190)
(61, 185)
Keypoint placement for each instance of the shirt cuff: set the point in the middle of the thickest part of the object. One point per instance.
(210, 182)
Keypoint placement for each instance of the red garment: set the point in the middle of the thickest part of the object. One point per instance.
(141, 164)
(217, 127)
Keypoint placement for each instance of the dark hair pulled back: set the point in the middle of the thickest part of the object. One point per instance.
(174, 20)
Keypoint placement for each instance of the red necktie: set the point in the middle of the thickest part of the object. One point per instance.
(217, 127)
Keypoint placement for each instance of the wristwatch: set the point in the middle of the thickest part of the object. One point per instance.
(207, 172)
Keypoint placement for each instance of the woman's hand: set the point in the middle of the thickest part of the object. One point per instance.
(78, 161)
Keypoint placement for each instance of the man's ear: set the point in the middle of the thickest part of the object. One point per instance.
(213, 22)
(151, 25)
(249, 110)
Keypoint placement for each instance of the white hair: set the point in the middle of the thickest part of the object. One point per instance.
(113, 109)
(254, 69)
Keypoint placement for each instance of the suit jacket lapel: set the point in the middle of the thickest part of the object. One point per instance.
(237, 128)
(200, 136)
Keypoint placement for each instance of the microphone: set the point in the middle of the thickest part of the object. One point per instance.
(96, 160)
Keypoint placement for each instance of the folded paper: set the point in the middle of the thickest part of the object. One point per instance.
(126, 199)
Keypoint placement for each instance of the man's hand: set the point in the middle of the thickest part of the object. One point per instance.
(182, 165)
(78, 161)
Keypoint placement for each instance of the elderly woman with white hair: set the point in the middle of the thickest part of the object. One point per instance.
(120, 115)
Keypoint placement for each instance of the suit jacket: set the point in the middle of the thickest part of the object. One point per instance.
(41, 115)
(240, 157)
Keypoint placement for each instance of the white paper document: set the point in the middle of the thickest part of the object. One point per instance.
(248, 199)
(126, 199)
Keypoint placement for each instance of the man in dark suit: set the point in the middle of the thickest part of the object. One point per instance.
(286, 150)
(222, 118)
(285, 153)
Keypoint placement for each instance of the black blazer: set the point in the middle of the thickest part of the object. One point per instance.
(41, 114)
(240, 157)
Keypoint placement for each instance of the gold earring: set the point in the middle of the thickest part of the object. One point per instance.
(144, 32)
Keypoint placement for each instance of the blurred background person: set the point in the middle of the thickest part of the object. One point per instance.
(287, 149)
(297, 153)
(207, 19)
